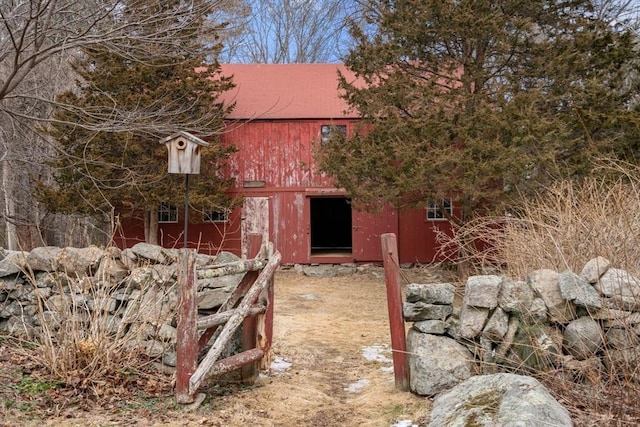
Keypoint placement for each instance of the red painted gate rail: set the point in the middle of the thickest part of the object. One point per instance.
(249, 305)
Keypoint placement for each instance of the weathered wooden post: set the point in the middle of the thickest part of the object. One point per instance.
(250, 324)
(187, 343)
(394, 304)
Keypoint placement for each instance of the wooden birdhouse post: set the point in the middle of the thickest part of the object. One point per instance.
(184, 153)
(184, 158)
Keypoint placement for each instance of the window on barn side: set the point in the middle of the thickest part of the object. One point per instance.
(434, 212)
(216, 215)
(167, 213)
(327, 130)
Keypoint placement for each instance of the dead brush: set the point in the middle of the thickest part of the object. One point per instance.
(79, 342)
(561, 229)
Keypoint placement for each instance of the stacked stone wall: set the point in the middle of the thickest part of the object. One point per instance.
(575, 324)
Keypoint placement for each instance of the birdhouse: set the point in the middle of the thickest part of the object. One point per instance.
(184, 152)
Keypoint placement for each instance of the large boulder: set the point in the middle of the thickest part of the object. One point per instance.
(498, 400)
(436, 363)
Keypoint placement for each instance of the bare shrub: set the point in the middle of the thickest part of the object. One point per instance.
(560, 228)
(85, 338)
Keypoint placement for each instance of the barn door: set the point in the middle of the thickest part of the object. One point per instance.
(255, 219)
(367, 228)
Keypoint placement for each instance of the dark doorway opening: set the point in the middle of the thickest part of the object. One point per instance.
(330, 226)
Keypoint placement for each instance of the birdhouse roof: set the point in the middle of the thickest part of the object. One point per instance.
(186, 135)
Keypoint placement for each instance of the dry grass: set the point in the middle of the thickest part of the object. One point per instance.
(561, 228)
(82, 343)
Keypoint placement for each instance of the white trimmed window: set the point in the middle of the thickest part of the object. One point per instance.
(216, 215)
(434, 212)
(327, 130)
(167, 213)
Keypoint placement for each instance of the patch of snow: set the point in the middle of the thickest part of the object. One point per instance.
(404, 423)
(308, 297)
(357, 386)
(387, 368)
(280, 364)
(376, 353)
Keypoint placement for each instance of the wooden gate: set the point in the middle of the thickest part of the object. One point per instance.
(250, 305)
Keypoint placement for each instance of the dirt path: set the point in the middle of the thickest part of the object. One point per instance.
(324, 327)
(332, 368)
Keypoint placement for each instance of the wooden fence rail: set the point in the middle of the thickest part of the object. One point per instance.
(249, 305)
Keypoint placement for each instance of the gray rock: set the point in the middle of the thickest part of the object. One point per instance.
(416, 311)
(435, 327)
(545, 284)
(496, 326)
(129, 259)
(152, 253)
(436, 363)
(538, 311)
(157, 306)
(170, 358)
(583, 338)
(112, 270)
(78, 262)
(498, 400)
(594, 268)
(472, 321)
(9, 283)
(538, 346)
(577, 290)
(42, 258)
(229, 281)
(515, 296)
(225, 258)
(618, 282)
(212, 298)
(434, 293)
(12, 263)
(141, 277)
(482, 291)
(621, 338)
(623, 360)
(620, 302)
(327, 270)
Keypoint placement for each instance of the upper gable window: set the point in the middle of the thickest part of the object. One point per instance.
(327, 130)
(167, 213)
(434, 212)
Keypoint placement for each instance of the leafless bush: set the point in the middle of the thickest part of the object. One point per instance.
(561, 228)
(84, 341)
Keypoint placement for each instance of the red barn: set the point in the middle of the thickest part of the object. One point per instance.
(282, 112)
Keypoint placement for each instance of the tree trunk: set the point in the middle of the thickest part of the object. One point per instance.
(151, 227)
(11, 234)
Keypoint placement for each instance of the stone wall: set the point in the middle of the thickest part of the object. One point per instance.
(576, 324)
(129, 294)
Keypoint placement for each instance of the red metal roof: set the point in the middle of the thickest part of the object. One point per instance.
(287, 91)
